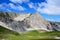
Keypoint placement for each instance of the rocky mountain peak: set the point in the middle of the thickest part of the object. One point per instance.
(26, 22)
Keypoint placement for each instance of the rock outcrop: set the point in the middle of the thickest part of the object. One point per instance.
(25, 22)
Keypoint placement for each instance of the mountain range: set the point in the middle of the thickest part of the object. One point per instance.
(22, 22)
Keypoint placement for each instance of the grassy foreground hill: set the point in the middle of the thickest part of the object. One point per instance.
(6, 34)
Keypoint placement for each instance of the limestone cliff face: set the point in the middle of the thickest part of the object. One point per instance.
(25, 22)
(38, 22)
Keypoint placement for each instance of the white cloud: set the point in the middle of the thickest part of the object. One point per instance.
(8, 7)
(19, 1)
(1, 6)
(12, 6)
(16, 7)
(8, 10)
(31, 5)
(21, 8)
(53, 20)
(50, 19)
(4, 6)
(51, 7)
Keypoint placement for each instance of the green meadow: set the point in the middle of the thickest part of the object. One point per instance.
(6, 34)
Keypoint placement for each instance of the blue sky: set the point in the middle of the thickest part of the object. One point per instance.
(49, 9)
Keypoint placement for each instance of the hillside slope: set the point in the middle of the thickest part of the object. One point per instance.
(26, 22)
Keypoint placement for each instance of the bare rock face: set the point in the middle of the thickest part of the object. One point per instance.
(26, 22)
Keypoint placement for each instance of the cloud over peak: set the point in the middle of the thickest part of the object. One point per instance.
(51, 7)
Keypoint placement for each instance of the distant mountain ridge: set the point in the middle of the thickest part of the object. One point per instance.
(25, 22)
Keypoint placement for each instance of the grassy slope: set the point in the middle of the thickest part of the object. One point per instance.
(31, 35)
